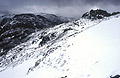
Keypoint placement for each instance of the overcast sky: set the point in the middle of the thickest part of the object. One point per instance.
(68, 8)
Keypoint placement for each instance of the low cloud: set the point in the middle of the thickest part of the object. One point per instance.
(69, 8)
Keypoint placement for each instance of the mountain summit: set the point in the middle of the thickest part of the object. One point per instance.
(98, 14)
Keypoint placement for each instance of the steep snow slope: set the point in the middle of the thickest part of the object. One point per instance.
(67, 51)
(96, 51)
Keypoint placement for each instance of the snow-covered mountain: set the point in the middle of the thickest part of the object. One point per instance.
(15, 28)
(98, 14)
(85, 48)
(57, 18)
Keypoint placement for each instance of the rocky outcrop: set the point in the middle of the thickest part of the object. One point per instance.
(98, 14)
(15, 29)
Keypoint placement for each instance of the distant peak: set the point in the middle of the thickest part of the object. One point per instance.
(97, 14)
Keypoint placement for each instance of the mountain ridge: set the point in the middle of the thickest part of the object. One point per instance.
(98, 14)
(47, 49)
(15, 28)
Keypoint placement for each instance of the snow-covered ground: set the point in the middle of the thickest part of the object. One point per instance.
(96, 52)
(93, 53)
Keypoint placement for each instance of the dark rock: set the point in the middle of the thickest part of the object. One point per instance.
(96, 14)
(14, 30)
(45, 39)
(116, 76)
(4, 21)
(64, 77)
(115, 13)
(68, 29)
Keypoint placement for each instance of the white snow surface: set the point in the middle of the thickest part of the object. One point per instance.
(93, 53)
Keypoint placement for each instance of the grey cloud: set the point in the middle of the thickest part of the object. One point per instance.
(111, 2)
(62, 7)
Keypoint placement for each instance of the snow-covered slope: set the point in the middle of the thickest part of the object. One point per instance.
(96, 51)
(67, 51)
(15, 28)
